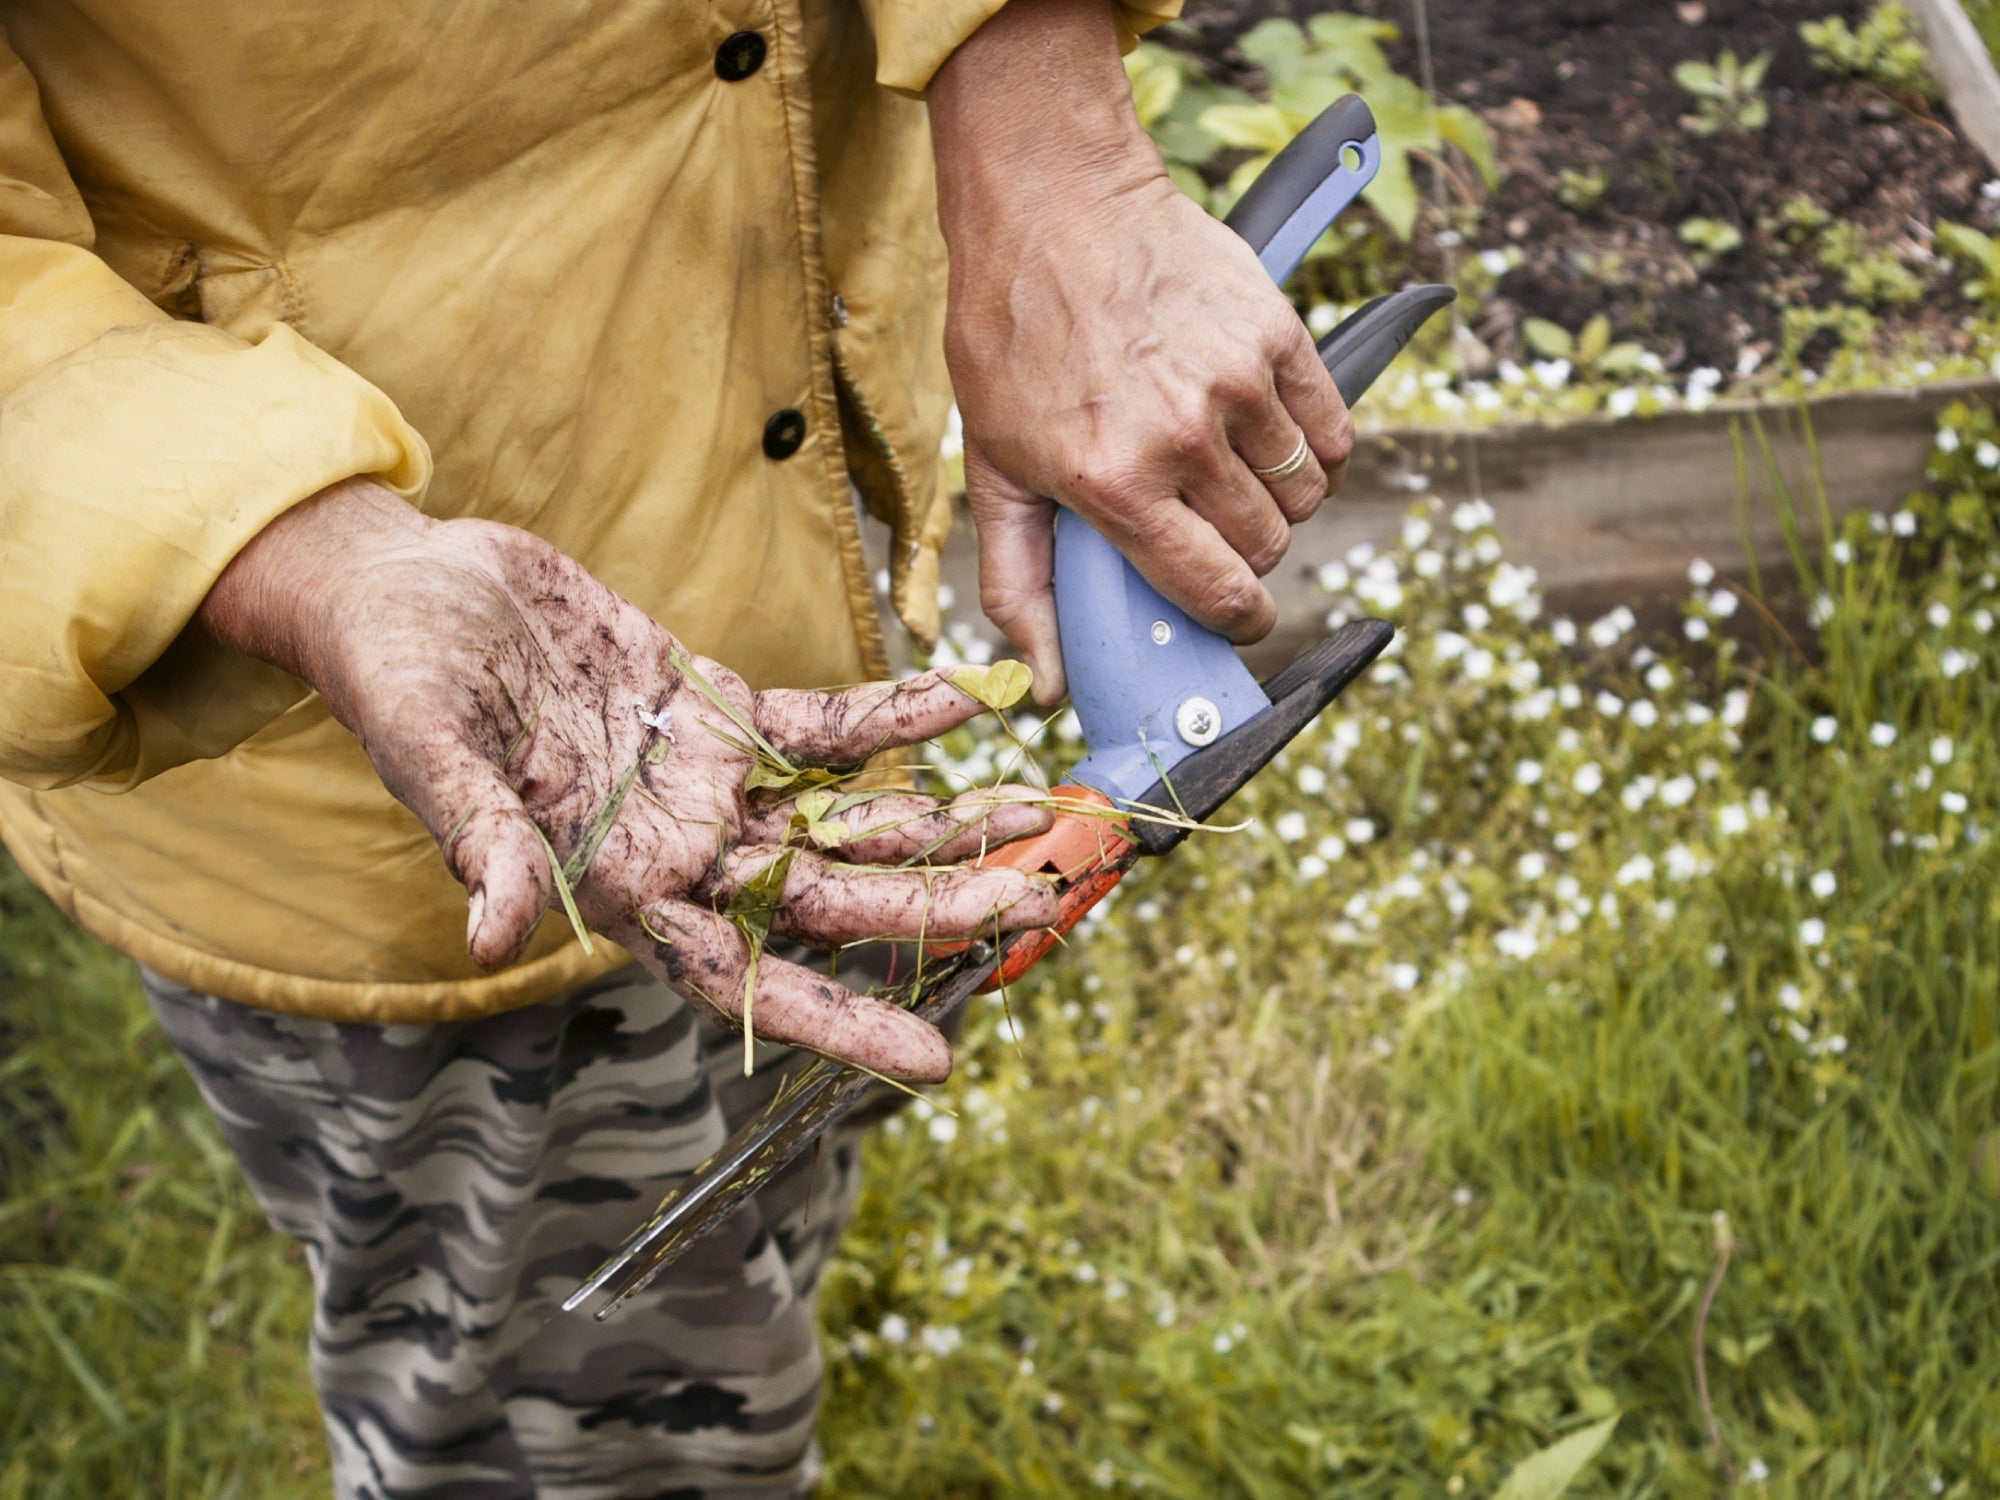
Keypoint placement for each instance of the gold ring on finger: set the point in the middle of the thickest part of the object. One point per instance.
(1289, 467)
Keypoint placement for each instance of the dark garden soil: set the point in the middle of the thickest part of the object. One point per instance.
(1588, 86)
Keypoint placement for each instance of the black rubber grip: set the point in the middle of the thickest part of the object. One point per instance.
(1359, 349)
(1297, 171)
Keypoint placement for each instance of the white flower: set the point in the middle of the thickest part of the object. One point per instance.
(943, 1129)
(1416, 531)
(1494, 262)
(1953, 663)
(1477, 616)
(1659, 677)
(1701, 572)
(1330, 848)
(1323, 319)
(1953, 803)
(942, 1341)
(1842, 553)
(1947, 440)
(1588, 779)
(1695, 628)
(1609, 704)
(1824, 728)
(1312, 867)
(1564, 631)
(1478, 665)
(1404, 976)
(1427, 564)
(1722, 604)
(1732, 819)
(1291, 827)
(1812, 932)
(895, 1329)
(1449, 645)
(1735, 707)
(1881, 735)
(1757, 1471)
(1904, 523)
(1939, 615)
(1681, 863)
(1552, 373)
(1515, 942)
(1333, 577)
(1982, 621)
(1622, 402)
(1635, 870)
(1532, 866)
(1638, 792)
(1789, 997)
(1677, 792)
(1987, 456)
(1941, 750)
(1359, 831)
(1643, 713)
(1472, 515)
(1528, 772)
(1823, 884)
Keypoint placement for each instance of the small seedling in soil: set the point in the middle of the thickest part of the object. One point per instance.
(1978, 253)
(1885, 52)
(1712, 238)
(1875, 278)
(1589, 349)
(1582, 191)
(1728, 94)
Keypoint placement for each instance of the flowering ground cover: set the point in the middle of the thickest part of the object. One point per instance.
(1567, 993)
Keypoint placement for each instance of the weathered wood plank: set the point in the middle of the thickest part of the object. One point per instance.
(1965, 69)
(1607, 512)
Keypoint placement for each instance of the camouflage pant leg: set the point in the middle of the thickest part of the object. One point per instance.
(452, 1183)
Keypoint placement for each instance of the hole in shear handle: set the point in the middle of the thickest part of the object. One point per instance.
(1299, 693)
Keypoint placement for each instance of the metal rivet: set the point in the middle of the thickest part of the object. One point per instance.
(1198, 722)
(1162, 632)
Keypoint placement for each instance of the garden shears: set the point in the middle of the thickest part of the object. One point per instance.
(1174, 722)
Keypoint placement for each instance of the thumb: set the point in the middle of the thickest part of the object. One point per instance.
(493, 848)
(1017, 568)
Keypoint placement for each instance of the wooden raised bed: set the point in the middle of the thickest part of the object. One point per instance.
(1607, 512)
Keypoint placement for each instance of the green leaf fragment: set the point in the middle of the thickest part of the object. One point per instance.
(563, 891)
(999, 686)
(1550, 1473)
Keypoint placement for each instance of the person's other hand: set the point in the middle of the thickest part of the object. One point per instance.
(1113, 348)
(504, 696)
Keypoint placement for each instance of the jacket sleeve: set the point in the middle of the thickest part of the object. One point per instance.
(138, 454)
(914, 37)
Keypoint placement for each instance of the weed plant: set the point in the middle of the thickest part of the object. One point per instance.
(1564, 998)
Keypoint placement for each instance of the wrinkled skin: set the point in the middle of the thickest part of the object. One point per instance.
(498, 688)
(1113, 348)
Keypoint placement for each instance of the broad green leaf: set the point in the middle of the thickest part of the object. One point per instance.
(1154, 90)
(1593, 340)
(1276, 45)
(813, 818)
(1462, 128)
(1753, 73)
(1697, 78)
(1547, 339)
(1551, 1472)
(999, 686)
(1393, 193)
(1621, 359)
(1188, 180)
(1249, 127)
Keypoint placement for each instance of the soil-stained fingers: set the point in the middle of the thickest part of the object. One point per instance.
(704, 958)
(844, 728)
(891, 827)
(828, 904)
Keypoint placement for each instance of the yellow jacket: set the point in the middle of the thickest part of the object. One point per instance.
(561, 266)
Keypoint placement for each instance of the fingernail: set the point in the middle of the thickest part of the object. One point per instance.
(475, 914)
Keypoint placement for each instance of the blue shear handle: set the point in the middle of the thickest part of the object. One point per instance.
(1136, 664)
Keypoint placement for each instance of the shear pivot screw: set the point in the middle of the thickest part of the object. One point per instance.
(1162, 632)
(1198, 722)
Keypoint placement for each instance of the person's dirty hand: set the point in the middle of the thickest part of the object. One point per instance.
(1113, 348)
(505, 696)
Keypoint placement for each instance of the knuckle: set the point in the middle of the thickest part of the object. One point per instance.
(1338, 444)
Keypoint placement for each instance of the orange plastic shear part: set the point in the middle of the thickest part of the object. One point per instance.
(1088, 849)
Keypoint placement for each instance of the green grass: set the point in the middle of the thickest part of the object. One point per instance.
(1332, 1160)
(154, 1329)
